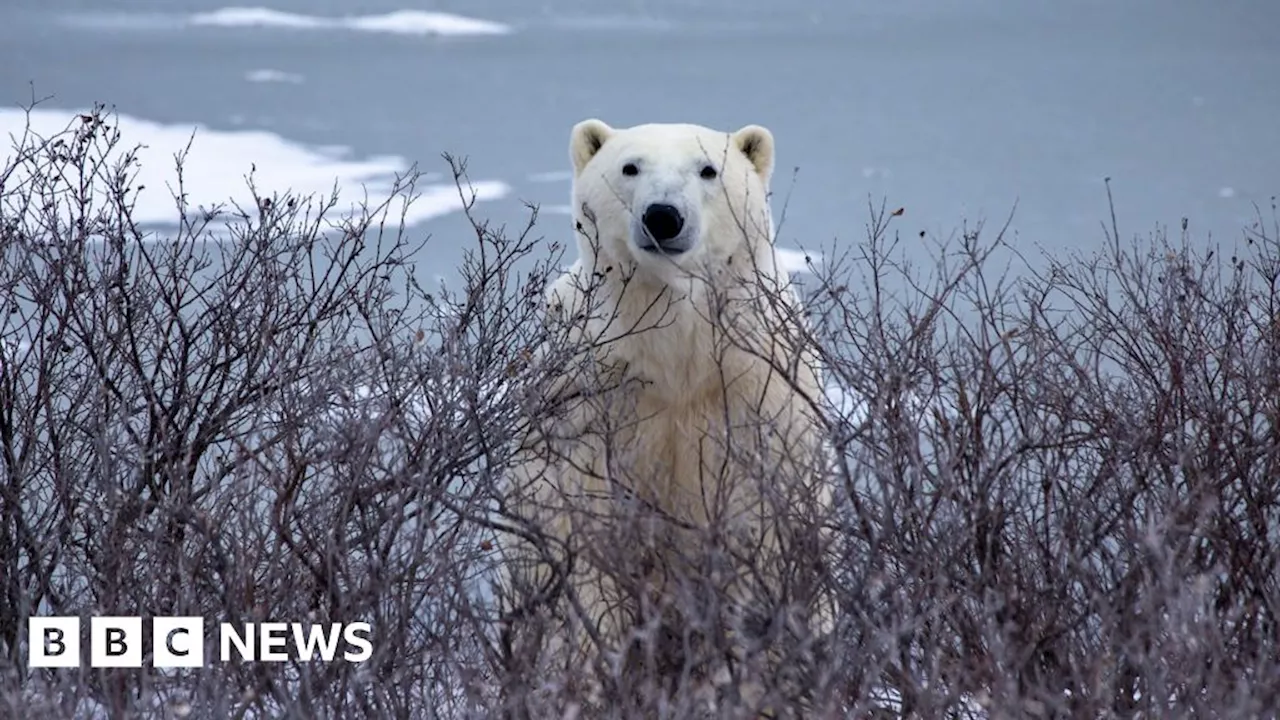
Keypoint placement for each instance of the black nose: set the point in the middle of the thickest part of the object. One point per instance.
(662, 221)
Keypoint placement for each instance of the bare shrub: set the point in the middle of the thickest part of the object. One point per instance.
(1063, 485)
(1055, 482)
(277, 424)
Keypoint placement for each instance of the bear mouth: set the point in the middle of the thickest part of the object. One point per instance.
(670, 247)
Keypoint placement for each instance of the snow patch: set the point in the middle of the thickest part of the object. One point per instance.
(267, 75)
(794, 260)
(219, 162)
(12, 350)
(400, 22)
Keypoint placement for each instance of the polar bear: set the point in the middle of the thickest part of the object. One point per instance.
(685, 423)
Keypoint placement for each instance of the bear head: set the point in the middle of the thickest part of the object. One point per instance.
(663, 198)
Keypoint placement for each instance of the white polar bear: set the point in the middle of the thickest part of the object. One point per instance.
(688, 421)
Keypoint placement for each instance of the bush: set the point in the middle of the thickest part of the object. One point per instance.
(1057, 486)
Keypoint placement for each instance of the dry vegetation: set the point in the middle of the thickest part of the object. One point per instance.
(1058, 486)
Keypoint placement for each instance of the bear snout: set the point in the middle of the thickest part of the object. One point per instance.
(663, 223)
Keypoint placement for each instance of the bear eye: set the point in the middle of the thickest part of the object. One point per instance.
(630, 170)
(708, 172)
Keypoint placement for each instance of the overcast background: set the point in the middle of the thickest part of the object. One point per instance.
(954, 111)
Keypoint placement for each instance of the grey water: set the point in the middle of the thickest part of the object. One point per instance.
(953, 111)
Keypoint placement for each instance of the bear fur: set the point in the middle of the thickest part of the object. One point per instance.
(685, 410)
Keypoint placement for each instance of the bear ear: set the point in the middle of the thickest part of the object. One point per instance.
(756, 142)
(585, 141)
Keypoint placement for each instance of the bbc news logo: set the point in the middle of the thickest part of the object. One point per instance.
(179, 642)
